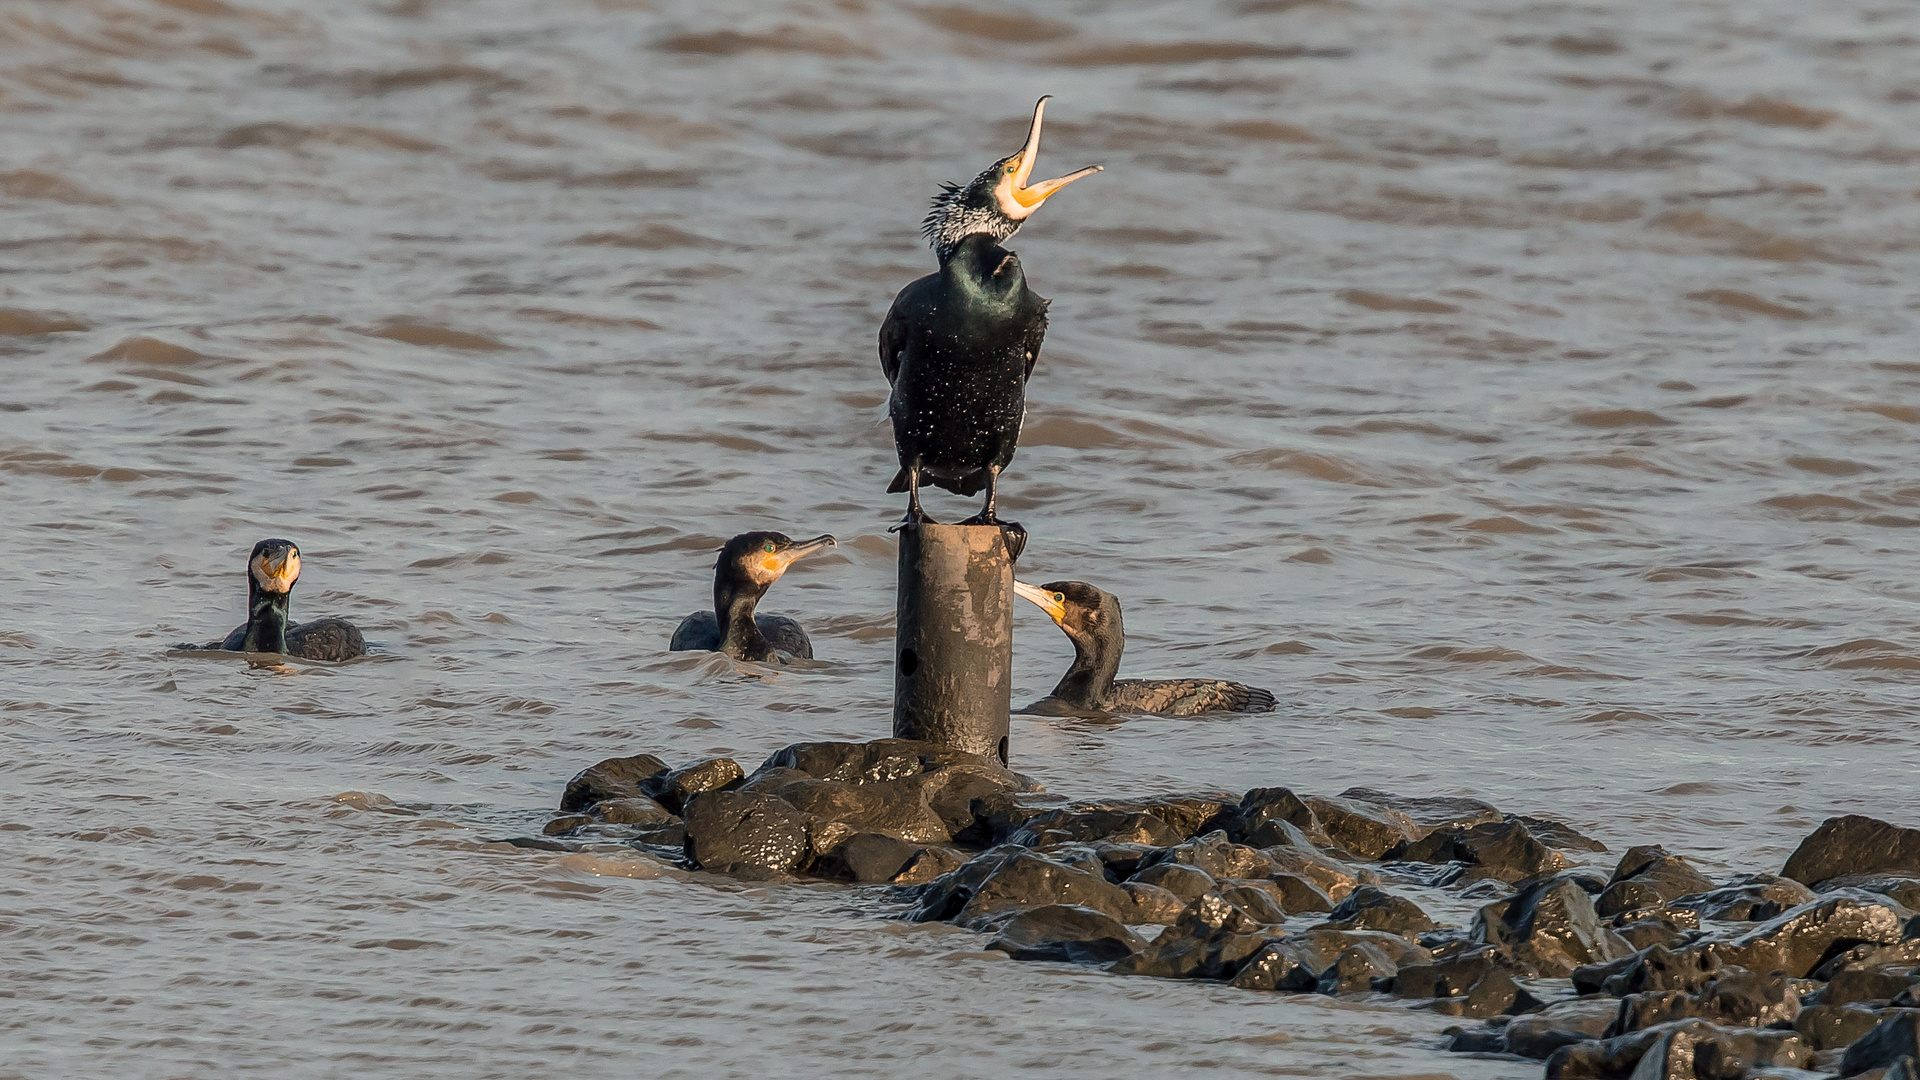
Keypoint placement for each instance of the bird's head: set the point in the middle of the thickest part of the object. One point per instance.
(761, 557)
(999, 200)
(274, 566)
(1084, 612)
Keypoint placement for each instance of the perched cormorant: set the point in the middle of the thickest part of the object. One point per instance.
(958, 345)
(748, 564)
(1091, 619)
(271, 571)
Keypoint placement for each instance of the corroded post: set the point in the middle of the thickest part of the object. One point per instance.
(953, 642)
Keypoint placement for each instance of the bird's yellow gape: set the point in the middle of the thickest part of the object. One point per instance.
(276, 571)
(1017, 198)
(1052, 603)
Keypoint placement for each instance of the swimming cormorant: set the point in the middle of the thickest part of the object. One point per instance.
(1091, 619)
(958, 345)
(748, 564)
(271, 571)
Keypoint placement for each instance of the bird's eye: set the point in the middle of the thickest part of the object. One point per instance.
(1011, 169)
(1059, 598)
(767, 547)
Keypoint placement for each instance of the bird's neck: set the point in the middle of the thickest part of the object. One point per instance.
(266, 620)
(968, 247)
(733, 605)
(1096, 660)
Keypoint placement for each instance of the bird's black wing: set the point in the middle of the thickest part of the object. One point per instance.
(1186, 697)
(698, 632)
(895, 329)
(1036, 333)
(325, 639)
(786, 635)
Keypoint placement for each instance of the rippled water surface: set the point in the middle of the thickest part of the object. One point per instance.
(1526, 391)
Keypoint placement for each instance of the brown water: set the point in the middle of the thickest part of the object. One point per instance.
(1526, 392)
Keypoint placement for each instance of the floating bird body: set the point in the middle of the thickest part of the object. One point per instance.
(748, 565)
(272, 569)
(959, 345)
(1091, 619)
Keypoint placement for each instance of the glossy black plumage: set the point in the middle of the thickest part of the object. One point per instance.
(1091, 619)
(272, 569)
(748, 564)
(958, 347)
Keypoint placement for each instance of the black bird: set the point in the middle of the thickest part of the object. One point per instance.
(958, 345)
(271, 571)
(748, 564)
(1091, 619)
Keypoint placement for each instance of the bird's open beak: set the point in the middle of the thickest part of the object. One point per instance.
(798, 551)
(1031, 196)
(1055, 609)
(279, 570)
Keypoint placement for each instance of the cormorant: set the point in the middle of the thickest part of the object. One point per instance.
(1091, 619)
(271, 571)
(748, 564)
(958, 345)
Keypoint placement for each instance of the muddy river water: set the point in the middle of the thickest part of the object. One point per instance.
(1527, 392)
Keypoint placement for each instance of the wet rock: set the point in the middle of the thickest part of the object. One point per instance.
(1480, 1040)
(1854, 845)
(1684, 1050)
(1370, 908)
(952, 800)
(633, 810)
(1737, 998)
(1272, 817)
(1903, 954)
(1896, 1036)
(1658, 926)
(674, 787)
(1258, 898)
(1829, 1027)
(1360, 829)
(1538, 1035)
(670, 834)
(1219, 856)
(1186, 815)
(1647, 877)
(1066, 932)
(614, 778)
(1212, 939)
(1689, 969)
(1151, 905)
(898, 808)
(928, 864)
(1283, 965)
(1477, 985)
(1055, 827)
(1358, 970)
(1867, 984)
(864, 858)
(1429, 812)
(1501, 850)
(1028, 880)
(998, 815)
(1186, 882)
(1801, 939)
(1754, 898)
(1901, 890)
(1332, 876)
(1299, 894)
(1697, 1050)
(1558, 834)
(567, 823)
(747, 834)
(1122, 861)
(888, 759)
(1549, 925)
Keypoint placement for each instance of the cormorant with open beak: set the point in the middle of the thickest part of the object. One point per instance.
(959, 345)
(271, 571)
(748, 565)
(1091, 619)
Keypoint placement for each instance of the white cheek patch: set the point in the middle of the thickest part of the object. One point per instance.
(1010, 206)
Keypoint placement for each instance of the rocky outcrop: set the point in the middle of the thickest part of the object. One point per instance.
(1647, 877)
(1854, 845)
(1549, 926)
(1066, 932)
